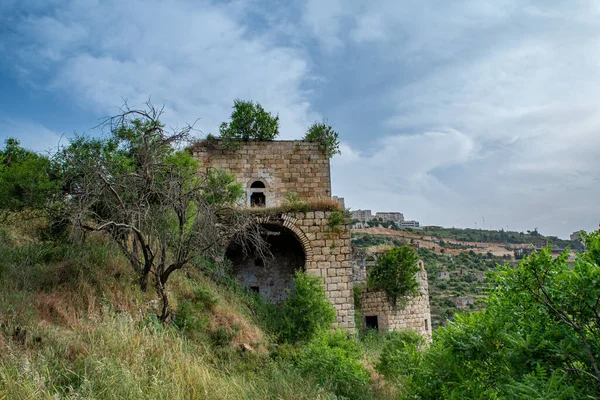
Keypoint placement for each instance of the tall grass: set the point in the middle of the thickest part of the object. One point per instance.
(118, 357)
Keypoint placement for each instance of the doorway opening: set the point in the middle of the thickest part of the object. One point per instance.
(372, 322)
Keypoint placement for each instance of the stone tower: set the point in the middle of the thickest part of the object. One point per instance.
(301, 240)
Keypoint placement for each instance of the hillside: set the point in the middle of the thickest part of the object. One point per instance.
(456, 264)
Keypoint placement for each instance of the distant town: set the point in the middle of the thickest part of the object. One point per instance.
(362, 219)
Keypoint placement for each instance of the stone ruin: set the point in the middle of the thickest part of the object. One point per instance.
(268, 170)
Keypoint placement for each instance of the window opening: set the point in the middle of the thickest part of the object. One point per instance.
(255, 289)
(372, 322)
(257, 200)
(257, 185)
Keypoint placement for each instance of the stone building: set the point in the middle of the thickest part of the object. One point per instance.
(302, 240)
(298, 240)
(269, 170)
(390, 216)
(376, 310)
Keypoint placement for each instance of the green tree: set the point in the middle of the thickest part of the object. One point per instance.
(148, 195)
(395, 273)
(539, 337)
(307, 311)
(249, 121)
(326, 136)
(27, 179)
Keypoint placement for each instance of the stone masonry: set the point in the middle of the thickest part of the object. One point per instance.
(407, 313)
(282, 166)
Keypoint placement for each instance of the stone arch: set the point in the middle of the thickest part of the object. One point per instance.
(291, 251)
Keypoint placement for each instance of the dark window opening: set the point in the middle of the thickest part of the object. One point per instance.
(371, 322)
(257, 200)
(257, 185)
(426, 325)
(259, 262)
(255, 289)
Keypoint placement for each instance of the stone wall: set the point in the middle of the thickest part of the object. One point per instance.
(327, 255)
(408, 313)
(269, 276)
(283, 166)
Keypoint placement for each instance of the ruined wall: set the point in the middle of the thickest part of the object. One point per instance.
(269, 276)
(327, 255)
(283, 166)
(416, 314)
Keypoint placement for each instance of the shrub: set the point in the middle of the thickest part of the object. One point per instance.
(327, 138)
(26, 178)
(307, 311)
(400, 355)
(333, 360)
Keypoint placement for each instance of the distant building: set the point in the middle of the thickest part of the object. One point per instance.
(408, 224)
(340, 200)
(390, 216)
(576, 235)
(362, 215)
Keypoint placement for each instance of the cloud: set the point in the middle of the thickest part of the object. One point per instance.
(519, 83)
(32, 135)
(193, 56)
(451, 112)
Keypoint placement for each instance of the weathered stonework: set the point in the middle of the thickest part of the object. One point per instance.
(272, 169)
(282, 166)
(407, 313)
(325, 254)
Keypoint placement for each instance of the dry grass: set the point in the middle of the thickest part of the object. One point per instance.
(308, 206)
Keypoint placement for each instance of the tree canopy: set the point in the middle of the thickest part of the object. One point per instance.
(26, 178)
(249, 121)
(395, 273)
(327, 138)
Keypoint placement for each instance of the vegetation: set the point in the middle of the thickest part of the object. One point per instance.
(26, 178)
(395, 273)
(307, 311)
(150, 198)
(327, 138)
(507, 237)
(538, 337)
(249, 121)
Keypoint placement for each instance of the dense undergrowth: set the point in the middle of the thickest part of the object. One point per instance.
(74, 324)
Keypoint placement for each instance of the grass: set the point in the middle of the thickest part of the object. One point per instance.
(74, 324)
(303, 206)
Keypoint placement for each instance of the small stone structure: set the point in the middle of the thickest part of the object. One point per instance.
(377, 311)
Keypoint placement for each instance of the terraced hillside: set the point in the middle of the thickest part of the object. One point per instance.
(457, 269)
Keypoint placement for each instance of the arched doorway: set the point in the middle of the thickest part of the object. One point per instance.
(272, 276)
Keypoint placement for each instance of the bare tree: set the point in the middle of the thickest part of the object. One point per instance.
(141, 188)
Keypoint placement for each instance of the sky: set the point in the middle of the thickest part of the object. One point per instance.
(467, 113)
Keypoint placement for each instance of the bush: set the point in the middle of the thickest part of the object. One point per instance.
(400, 355)
(333, 360)
(307, 311)
(327, 138)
